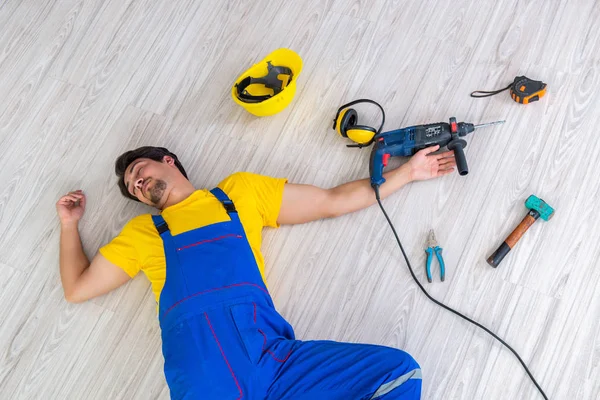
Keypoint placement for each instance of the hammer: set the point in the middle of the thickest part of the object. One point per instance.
(537, 208)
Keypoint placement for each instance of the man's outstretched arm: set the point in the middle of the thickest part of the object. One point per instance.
(81, 279)
(305, 203)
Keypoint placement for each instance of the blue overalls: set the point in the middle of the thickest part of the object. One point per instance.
(223, 339)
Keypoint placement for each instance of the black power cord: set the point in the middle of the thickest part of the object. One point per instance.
(376, 188)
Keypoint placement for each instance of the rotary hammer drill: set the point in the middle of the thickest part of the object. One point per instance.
(407, 141)
(401, 142)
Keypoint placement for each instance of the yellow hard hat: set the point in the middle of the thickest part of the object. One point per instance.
(269, 85)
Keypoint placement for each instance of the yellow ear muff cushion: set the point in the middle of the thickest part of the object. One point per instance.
(360, 133)
(343, 121)
(346, 126)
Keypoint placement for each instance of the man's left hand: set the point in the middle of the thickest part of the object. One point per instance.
(304, 203)
(425, 165)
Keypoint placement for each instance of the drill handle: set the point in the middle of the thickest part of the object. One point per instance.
(461, 161)
(376, 166)
(380, 156)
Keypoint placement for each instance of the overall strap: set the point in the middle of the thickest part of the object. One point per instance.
(227, 203)
(160, 224)
(165, 235)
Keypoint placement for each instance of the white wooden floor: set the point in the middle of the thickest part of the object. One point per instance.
(81, 81)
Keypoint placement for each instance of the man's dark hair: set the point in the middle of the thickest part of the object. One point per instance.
(153, 153)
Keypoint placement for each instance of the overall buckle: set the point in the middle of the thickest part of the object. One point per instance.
(229, 206)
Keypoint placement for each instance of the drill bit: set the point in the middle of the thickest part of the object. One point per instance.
(489, 124)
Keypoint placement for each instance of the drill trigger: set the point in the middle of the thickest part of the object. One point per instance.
(386, 158)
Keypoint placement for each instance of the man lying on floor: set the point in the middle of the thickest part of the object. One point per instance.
(222, 336)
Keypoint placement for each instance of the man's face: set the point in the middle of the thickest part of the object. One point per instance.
(149, 181)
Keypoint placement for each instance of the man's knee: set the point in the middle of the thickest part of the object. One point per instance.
(406, 362)
(404, 381)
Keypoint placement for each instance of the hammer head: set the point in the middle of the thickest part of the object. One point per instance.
(535, 203)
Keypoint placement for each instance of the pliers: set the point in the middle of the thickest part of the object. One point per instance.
(432, 247)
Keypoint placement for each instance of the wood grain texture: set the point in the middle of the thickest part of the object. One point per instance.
(81, 81)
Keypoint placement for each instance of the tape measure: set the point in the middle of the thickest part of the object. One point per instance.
(522, 90)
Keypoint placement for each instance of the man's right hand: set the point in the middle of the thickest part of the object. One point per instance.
(81, 279)
(71, 207)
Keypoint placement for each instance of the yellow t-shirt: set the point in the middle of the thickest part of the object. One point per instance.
(138, 247)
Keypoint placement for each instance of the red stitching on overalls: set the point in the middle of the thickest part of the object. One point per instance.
(223, 354)
(254, 311)
(270, 352)
(211, 290)
(210, 240)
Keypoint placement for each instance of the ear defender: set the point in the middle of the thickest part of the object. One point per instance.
(348, 128)
(345, 124)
